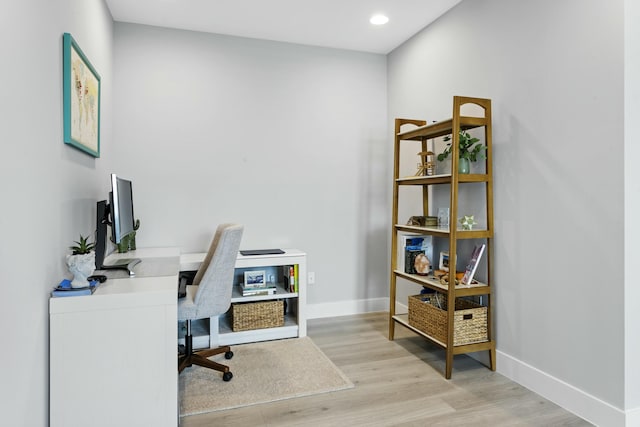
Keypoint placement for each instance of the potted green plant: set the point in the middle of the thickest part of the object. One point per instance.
(468, 150)
(81, 262)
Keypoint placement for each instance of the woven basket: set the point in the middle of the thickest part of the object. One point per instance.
(257, 315)
(428, 313)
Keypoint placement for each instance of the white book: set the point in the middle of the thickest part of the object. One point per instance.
(253, 292)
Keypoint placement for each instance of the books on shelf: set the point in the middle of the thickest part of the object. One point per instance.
(290, 277)
(250, 290)
(470, 270)
(410, 246)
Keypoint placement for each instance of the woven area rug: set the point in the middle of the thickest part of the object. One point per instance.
(262, 372)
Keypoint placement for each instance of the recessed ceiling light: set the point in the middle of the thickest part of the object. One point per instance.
(379, 19)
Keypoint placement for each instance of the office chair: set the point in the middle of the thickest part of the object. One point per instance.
(210, 295)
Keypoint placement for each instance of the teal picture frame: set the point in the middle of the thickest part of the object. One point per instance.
(81, 99)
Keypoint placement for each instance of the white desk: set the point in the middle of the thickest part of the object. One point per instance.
(113, 355)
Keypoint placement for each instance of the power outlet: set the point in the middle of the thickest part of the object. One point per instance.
(311, 278)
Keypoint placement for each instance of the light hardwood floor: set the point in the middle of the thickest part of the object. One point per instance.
(397, 383)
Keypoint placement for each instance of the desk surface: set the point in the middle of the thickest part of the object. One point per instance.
(157, 288)
(192, 261)
(155, 282)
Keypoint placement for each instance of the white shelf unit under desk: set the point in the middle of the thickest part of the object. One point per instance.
(217, 331)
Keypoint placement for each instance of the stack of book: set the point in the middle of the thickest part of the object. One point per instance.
(64, 289)
(257, 289)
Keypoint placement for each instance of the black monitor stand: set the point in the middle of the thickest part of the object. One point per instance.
(102, 221)
(126, 264)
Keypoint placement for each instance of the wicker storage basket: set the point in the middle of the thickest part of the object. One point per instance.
(257, 315)
(428, 313)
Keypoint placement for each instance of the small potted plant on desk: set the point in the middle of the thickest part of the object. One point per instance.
(81, 262)
(468, 151)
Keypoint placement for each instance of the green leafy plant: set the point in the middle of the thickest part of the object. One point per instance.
(83, 246)
(468, 147)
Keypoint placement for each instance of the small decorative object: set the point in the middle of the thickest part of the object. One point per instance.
(443, 277)
(81, 99)
(422, 221)
(132, 240)
(467, 222)
(443, 217)
(431, 221)
(255, 278)
(439, 274)
(427, 165)
(422, 264)
(414, 246)
(468, 150)
(444, 261)
(128, 242)
(81, 262)
(444, 280)
(417, 221)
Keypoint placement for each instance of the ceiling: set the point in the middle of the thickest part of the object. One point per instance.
(342, 24)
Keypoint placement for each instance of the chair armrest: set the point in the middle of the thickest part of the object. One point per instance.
(182, 287)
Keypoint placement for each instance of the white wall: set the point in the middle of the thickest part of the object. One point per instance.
(288, 140)
(632, 209)
(554, 70)
(48, 188)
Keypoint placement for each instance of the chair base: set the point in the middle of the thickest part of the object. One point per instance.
(201, 358)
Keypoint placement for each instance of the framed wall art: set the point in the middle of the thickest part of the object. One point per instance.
(81, 99)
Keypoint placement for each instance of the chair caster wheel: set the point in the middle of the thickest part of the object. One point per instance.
(228, 355)
(227, 376)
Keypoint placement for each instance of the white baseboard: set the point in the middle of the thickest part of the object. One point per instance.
(633, 418)
(561, 393)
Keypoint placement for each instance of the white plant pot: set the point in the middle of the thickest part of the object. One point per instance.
(81, 266)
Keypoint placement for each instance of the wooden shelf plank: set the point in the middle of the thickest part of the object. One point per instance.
(431, 282)
(470, 348)
(441, 179)
(281, 293)
(440, 128)
(403, 319)
(444, 232)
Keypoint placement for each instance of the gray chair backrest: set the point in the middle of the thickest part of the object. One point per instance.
(215, 276)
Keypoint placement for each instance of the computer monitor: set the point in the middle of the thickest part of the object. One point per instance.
(122, 219)
(118, 214)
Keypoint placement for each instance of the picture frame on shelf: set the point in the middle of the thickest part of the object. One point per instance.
(81, 99)
(255, 278)
(443, 264)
